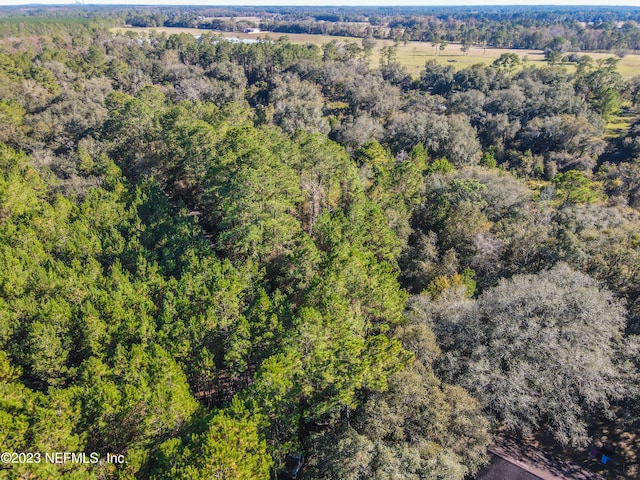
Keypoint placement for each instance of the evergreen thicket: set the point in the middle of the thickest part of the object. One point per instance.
(215, 254)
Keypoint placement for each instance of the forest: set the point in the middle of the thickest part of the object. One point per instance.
(555, 27)
(215, 254)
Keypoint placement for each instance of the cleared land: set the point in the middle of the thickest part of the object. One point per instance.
(619, 125)
(413, 55)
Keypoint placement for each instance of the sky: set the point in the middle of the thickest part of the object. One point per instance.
(330, 2)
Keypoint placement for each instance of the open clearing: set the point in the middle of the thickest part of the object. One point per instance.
(413, 55)
(619, 125)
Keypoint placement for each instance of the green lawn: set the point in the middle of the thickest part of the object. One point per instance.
(619, 125)
(415, 54)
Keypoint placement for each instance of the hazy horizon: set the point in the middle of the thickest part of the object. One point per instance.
(373, 3)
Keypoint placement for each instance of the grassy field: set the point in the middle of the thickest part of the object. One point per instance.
(619, 125)
(413, 55)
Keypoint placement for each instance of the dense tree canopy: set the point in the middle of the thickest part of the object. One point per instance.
(216, 254)
(539, 350)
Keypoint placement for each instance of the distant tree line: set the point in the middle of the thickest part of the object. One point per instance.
(607, 29)
(559, 28)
